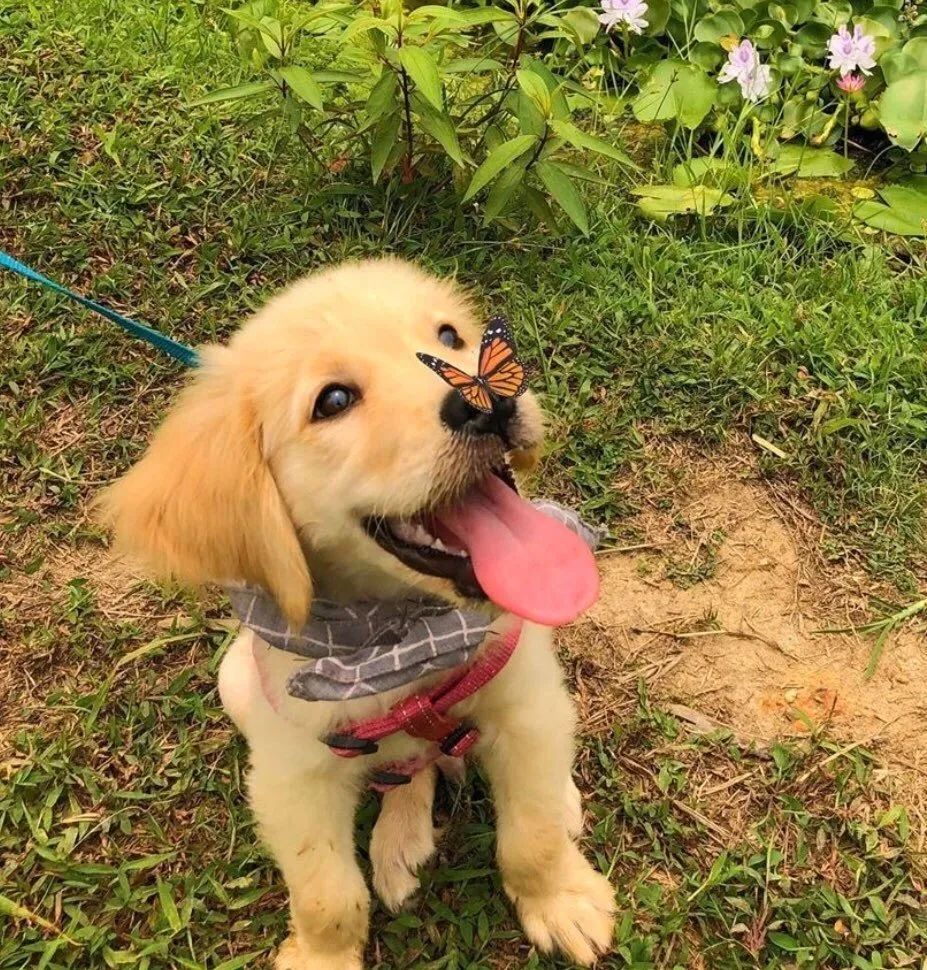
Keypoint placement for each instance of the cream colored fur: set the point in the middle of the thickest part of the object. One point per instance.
(240, 484)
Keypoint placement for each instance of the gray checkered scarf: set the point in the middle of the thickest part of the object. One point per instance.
(368, 647)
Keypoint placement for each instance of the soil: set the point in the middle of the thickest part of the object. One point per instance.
(718, 603)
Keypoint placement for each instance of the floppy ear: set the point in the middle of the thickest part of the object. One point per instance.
(202, 504)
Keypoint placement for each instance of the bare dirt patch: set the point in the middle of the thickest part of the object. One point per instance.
(719, 606)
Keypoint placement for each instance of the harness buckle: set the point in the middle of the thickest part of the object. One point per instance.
(348, 746)
(384, 779)
(459, 741)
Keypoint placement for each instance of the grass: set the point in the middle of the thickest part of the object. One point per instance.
(121, 818)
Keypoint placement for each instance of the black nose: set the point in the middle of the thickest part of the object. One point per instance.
(463, 417)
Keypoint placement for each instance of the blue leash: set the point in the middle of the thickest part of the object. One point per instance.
(183, 353)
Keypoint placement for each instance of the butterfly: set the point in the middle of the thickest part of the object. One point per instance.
(499, 373)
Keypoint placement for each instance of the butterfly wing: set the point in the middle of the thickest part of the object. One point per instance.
(499, 367)
(476, 395)
(473, 389)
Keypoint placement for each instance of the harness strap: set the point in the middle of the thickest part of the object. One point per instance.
(183, 353)
(426, 716)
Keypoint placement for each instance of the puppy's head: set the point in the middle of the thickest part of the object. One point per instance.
(317, 444)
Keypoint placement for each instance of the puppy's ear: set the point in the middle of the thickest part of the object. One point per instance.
(202, 505)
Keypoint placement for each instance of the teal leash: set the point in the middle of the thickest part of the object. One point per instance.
(186, 355)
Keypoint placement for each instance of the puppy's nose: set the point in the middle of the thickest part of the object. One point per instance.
(460, 416)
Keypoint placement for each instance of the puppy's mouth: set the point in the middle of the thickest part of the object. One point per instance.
(493, 544)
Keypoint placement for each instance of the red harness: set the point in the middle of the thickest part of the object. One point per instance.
(426, 716)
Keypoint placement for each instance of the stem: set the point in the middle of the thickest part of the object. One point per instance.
(407, 110)
(510, 79)
(540, 147)
(846, 132)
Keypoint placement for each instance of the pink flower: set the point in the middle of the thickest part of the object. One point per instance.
(741, 61)
(851, 83)
(851, 52)
(744, 67)
(628, 12)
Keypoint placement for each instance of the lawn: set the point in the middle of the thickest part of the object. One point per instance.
(124, 837)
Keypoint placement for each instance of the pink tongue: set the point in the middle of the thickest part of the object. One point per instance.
(526, 561)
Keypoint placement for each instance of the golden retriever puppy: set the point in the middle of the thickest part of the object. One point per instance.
(305, 459)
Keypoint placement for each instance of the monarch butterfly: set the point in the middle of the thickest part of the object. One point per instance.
(499, 373)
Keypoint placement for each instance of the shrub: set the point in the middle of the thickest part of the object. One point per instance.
(449, 93)
(496, 100)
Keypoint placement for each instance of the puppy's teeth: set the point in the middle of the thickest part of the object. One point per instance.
(439, 545)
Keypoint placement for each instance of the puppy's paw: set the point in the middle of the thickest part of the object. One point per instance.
(574, 810)
(295, 955)
(401, 843)
(577, 917)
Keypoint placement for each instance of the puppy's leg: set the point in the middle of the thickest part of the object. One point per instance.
(307, 821)
(561, 900)
(403, 838)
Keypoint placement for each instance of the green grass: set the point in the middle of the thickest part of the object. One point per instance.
(122, 823)
(121, 815)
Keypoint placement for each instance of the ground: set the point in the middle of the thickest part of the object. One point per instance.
(742, 404)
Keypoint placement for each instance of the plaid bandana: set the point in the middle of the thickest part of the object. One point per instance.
(369, 647)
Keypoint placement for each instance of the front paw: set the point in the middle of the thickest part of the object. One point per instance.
(576, 916)
(295, 955)
(399, 847)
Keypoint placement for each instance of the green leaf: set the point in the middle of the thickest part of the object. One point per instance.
(657, 16)
(432, 11)
(555, 85)
(497, 160)
(489, 15)
(581, 139)
(583, 24)
(440, 126)
(813, 38)
(336, 77)
(364, 24)
(384, 140)
(304, 85)
(540, 208)
(676, 91)
(661, 201)
(903, 110)
(583, 174)
(785, 942)
(806, 162)
(239, 93)
(719, 172)
(564, 193)
(531, 119)
(423, 70)
(536, 89)
(472, 65)
(383, 96)
(903, 211)
(241, 961)
(168, 907)
(725, 23)
(898, 64)
(271, 31)
(501, 193)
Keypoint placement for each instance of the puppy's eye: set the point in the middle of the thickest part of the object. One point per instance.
(334, 400)
(449, 337)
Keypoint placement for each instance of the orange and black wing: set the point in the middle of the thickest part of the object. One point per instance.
(473, 389)
(499, 367)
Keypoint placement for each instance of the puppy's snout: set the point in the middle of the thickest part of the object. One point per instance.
(460, 416)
